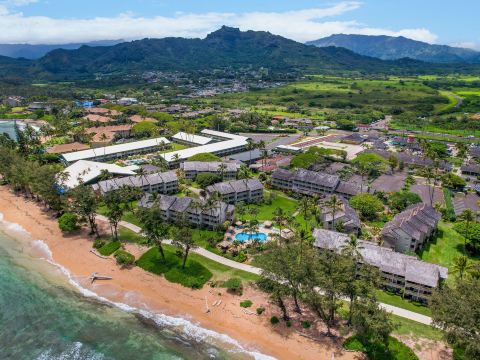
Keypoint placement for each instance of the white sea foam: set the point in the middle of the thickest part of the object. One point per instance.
(74, 352)
(189, 330)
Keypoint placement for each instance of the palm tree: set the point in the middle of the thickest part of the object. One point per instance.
(334, 205)
(221, 169)
(461, 265)
(254, 212)
(468, 217)
(352, 249)
(142, 173)
(243, 172)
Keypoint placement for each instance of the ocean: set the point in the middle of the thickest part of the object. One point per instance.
(45, 315)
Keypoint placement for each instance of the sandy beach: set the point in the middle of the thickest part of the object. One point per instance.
(138, 288)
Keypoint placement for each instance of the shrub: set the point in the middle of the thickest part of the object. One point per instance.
(374, 350)
(207, 179)
(367, 205)
(274, 320)
(124, 258)
(233, 285)
(246, 303)
(98, 244)
(288, 323)
(67, 222)
(260, 310)
(241, 257)
(306, 324)
(109, 248)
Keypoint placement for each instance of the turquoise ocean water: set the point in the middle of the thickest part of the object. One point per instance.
(43, 316)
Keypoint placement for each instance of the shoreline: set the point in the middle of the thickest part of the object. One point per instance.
(155, 296)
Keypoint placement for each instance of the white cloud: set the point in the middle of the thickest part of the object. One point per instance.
(467, 44)
(301, 25)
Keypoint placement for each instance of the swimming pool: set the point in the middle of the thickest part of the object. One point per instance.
(251, 236)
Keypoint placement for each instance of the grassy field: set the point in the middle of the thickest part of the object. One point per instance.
(415, 329)
(444, 248)
(398, 301)
(266, 211)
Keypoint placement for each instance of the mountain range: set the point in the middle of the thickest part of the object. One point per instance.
(227, 48)
(393, 48)
(29, 51)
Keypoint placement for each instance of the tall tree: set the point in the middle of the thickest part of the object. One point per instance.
(153, 226)
(183, 239)
(115, 210)
(84, 204)
(468, 217)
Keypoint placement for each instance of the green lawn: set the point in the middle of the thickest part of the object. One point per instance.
(415, 329)
(398, 301)
(444, 248)
(266, 211)
(397, 350)
(194, 275)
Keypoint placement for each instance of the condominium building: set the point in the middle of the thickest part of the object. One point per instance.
(227, 171)
(232, 192)
(345, 217)
(163, 183)
(195, 211)
(411, 229)
(113, 152)
(404, 274)
(191, 139)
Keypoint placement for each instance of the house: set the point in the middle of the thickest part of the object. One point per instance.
(196, 212)
(227, 171)
(346, 217)
(471, 169)
(287, 149)
(247, 157)
(139, 118)
(162, 183)
(104, 135)
(127, 101)
(404, 274)
(109, 153)
(64, 148)
(232, 192)
(13, 101)
(354, 139)
(411, 229)
(88, 172)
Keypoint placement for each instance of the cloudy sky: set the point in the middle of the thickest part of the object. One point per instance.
(61, 21)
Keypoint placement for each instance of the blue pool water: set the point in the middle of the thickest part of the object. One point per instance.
(251, 236)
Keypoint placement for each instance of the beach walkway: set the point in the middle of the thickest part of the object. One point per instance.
(423, 319)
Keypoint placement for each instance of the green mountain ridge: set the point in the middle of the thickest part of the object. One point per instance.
(392, 48)
(227, 48)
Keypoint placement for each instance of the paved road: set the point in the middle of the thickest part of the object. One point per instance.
(254, 270)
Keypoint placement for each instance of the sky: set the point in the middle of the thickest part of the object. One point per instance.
(63, 21)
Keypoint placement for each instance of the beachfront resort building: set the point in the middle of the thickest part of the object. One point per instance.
(162, 183)
(411, 229)
(227, 171)
(400, 273)
(311, 183)
(113, 152)
(232, 192)
(196, 212)
(88, 172)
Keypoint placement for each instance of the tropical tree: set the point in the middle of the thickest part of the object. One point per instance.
(113, 201)
(333, 204)
(153, 226)
(85, 204)
(467, 216)
(461, 266)
(183, 239)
